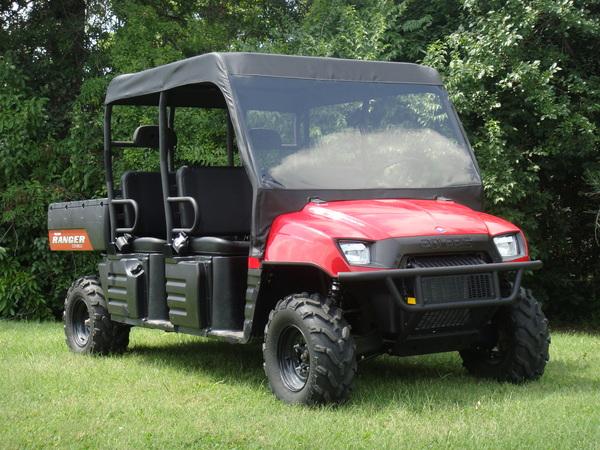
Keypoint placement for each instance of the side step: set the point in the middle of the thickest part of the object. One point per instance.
(228, 335)
(158, 324)
(232, 336)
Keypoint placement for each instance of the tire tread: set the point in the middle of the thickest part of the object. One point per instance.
(106, 336)
(336, 361)
(527, 358)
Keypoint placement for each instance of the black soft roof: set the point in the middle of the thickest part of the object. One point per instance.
(201, 74)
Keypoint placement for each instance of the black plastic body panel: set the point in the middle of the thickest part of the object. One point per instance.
(229, 290)
(206, 292)
(91, 215)
(391, 253)
(124, 280)
(188, 288)
(193, 294)
(157, 296)
(252, 289)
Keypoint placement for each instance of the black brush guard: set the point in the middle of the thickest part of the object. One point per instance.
(389, 277)
(443, 324)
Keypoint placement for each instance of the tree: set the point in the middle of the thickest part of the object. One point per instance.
(525, 79)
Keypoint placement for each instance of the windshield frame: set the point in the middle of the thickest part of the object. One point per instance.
(271, 183)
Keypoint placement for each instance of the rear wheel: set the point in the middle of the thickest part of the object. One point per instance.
(308, 351)
(522, 339)
(87, 324)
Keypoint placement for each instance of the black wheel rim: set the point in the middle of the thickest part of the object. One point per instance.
(294, 358)
(80, 322)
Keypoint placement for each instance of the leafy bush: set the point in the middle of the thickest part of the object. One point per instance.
(529, 102)
(20, 294)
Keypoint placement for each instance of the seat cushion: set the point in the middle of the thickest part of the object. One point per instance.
(218, 246)
(148, 244)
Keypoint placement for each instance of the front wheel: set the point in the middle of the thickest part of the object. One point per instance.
(520, 352)
(88, 328)
(308, 351)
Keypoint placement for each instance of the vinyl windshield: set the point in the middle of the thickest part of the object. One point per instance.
(323, 134)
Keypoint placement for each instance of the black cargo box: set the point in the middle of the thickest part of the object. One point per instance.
(89, 215)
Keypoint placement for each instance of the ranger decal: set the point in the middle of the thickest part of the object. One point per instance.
(69, 240)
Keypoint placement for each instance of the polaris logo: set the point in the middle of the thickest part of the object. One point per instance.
(446, 242)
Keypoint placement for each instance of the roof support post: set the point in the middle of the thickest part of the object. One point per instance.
(164, 161)
(171, 125)
(108, 170)
(229, 141)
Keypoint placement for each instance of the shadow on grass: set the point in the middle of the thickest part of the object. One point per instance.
(215, 359)
(416, 382)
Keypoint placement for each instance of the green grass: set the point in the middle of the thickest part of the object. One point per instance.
(172, 391)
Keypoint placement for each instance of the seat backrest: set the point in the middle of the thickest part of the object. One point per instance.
(224, 197)
(267, 147)
(265, 139)
(148, 136)
(146, 189)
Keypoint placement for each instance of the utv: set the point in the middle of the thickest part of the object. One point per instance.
(350, 227)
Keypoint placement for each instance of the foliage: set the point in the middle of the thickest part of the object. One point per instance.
(22, 120)
(32, 280)
(412, 25)
(346, 29)
(526, 82)
(20, 295)
(524, 77)
(49, 42)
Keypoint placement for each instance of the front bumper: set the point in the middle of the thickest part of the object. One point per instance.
(389, 277)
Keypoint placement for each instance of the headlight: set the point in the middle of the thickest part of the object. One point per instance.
(356, 253)
(508, 246)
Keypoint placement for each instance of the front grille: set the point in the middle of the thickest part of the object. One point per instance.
(444, 260)
(452, 288)
(480, 286)
(443, 319)
(448, 288)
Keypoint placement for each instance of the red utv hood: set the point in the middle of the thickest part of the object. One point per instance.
(309, 236)
(381, 219)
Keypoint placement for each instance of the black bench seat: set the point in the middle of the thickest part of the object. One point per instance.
(224, 198)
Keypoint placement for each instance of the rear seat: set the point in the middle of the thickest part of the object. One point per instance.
(267, 146)
(224, 197)
(146, 189)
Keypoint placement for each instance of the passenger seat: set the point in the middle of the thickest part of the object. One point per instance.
(146, 189)
(224, 197)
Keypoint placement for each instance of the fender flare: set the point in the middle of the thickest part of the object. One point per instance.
(272, 282)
